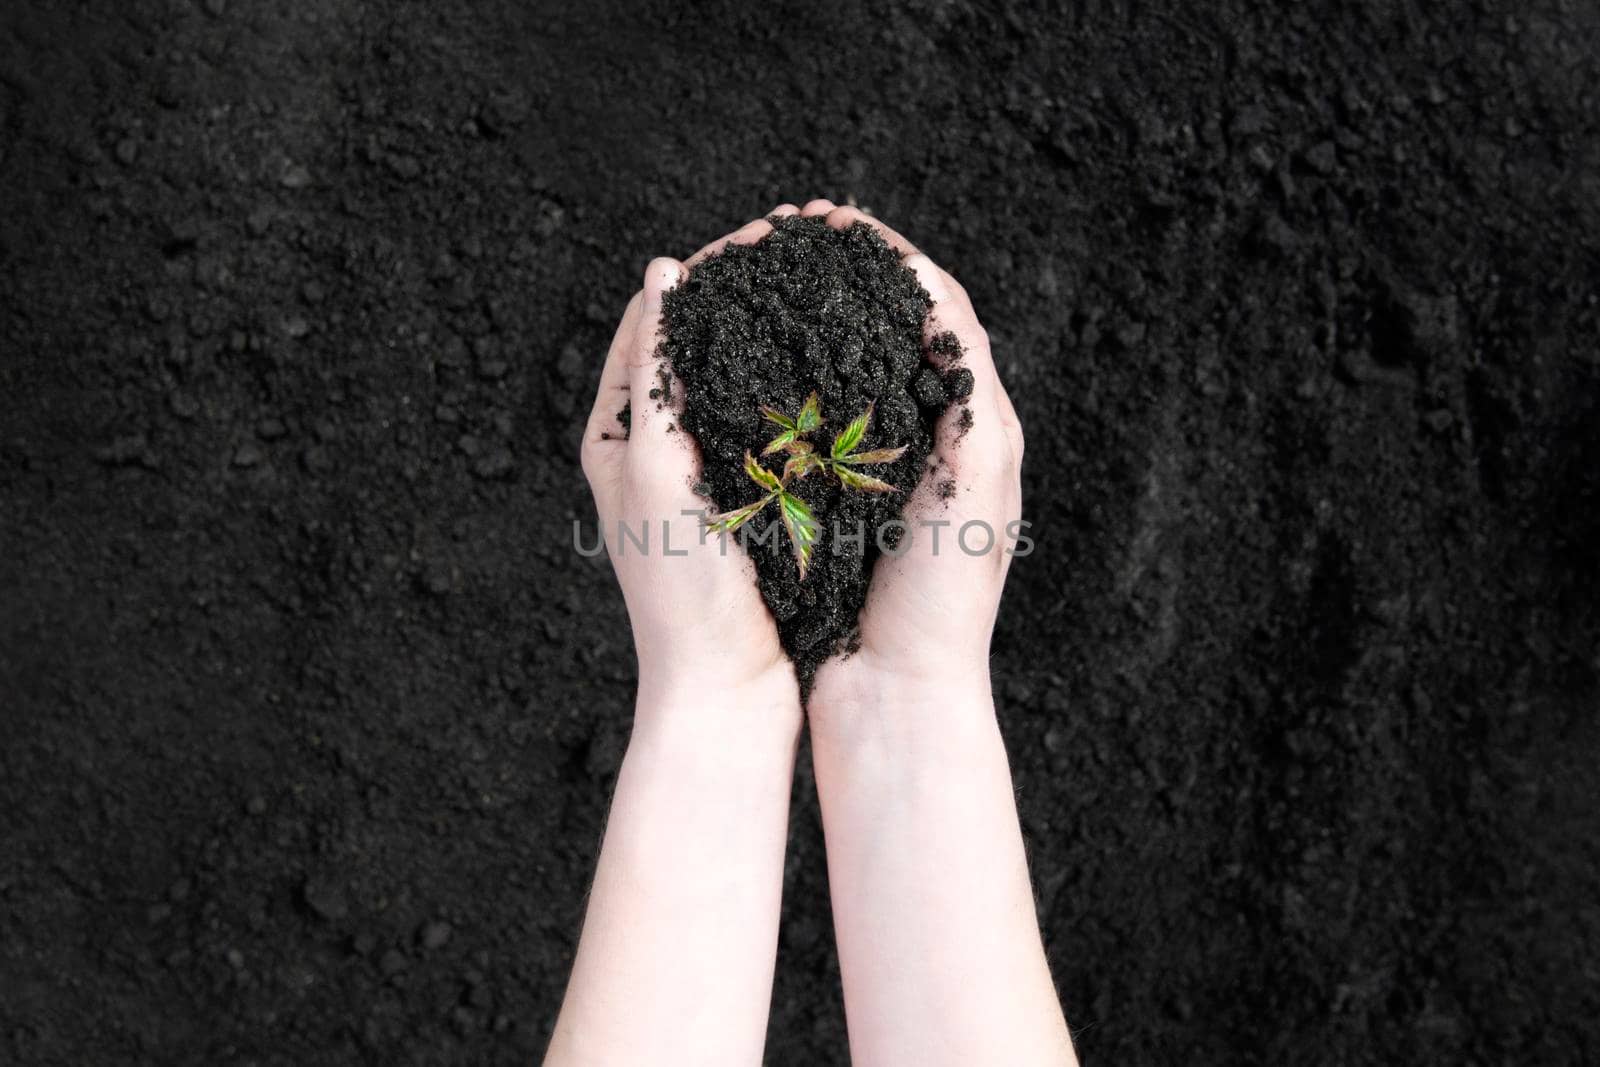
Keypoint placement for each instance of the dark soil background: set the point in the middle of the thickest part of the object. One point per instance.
(311, 713)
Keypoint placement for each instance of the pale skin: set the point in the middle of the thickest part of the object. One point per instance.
(939, 946)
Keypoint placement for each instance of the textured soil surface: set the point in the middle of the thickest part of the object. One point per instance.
(810, 310)
(311, 712)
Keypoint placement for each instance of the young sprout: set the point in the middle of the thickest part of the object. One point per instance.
(842, 458)
(841, 461)
(798, 520)
(809, 419)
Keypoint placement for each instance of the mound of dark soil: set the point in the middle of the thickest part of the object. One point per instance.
(809, 309)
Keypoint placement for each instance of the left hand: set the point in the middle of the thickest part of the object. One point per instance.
(700, 627)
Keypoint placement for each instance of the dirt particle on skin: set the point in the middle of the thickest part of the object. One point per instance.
(944, 349)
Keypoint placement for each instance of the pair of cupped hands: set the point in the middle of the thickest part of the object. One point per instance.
(701, 631)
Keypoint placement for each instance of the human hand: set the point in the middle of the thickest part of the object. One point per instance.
(931, 609)
(925, 853)
(700, 630)
(674, 964)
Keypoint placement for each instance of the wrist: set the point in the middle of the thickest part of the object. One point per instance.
(860, 706)
(757, 715)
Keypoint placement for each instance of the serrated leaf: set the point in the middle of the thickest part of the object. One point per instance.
(880, 455)
(801, 526)
(759, 474)
(774, 415)
(810, 415)
(802, 463)
(729, 521)
(778, 443)
(851, 435)
(864, 483)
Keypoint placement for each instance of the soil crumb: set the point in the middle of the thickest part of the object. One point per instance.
(810, 308)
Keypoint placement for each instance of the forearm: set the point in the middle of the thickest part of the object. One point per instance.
(675, 962)
(939, 945)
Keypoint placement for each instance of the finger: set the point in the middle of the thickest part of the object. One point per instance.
(662, 462)
(748, 234)
(645, 374)
(844, 217)
(951, 312)
(817, 207)
(993, 419)
(972, 484)
(783, 211)
(1009, 421)
(969, 333)
(603, 425)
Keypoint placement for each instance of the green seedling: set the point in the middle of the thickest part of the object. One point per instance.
(809, 419)
(842, 458)
(798, 520)
(841, 461)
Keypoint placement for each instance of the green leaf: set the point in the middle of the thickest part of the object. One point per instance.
(881, 455)
(778, 443)
(810, 415)
(759, 474)
(774, 415)
(729, 521)
(853, 480)
(802, 528)
(851, 436)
